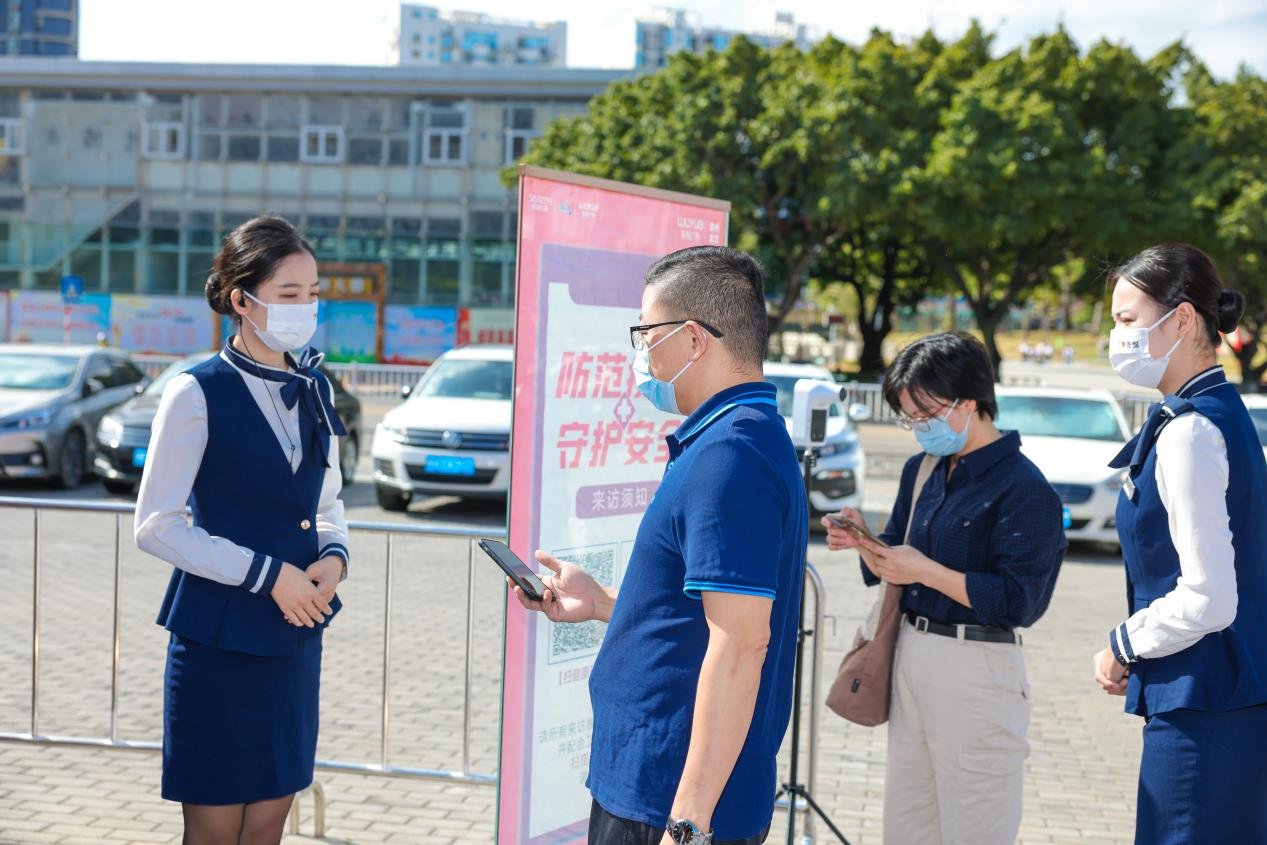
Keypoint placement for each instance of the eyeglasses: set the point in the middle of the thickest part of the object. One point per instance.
(923, 423)
(638, 337)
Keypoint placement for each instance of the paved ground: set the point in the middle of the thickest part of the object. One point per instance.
(1080, 785)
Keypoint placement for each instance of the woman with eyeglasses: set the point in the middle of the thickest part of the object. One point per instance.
(985, 545)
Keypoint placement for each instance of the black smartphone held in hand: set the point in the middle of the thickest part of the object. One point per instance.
(859, 531)
(515, 569)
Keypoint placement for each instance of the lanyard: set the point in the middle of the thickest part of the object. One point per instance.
(730, 406)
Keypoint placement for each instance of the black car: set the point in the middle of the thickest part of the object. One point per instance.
(123, 438)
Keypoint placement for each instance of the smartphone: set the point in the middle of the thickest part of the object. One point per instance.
(855, 529)
(515, 568)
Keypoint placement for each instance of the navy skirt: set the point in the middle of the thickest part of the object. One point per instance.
(1203, 778)
(238, 728)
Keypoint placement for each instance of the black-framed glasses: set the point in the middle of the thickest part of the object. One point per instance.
(638, 337)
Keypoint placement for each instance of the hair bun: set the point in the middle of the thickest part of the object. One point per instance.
(215, 296)
(1231, 308)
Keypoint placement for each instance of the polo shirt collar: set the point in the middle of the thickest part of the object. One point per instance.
(708, 413)
(987, 456)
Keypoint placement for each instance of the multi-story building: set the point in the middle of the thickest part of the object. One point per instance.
(428, 37)
(678, 29)
(39, 28)
(129, 174)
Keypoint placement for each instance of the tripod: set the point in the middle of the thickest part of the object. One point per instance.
(794, 789)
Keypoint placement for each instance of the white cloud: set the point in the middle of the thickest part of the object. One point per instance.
(1225, 33)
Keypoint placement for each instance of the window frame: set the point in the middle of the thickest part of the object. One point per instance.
(9, 128)
(324, 131)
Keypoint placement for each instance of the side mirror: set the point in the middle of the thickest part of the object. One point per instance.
(405, 391)
(92, 387)
(859, 412)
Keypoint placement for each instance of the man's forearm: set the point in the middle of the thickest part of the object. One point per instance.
(730, 678)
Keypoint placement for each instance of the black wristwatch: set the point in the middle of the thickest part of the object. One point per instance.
(683, 831)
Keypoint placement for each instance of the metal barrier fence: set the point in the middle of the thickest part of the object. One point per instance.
(383, 767)
(362, 380)
(1134, 406)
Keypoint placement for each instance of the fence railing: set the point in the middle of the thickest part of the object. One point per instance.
(1135, 407)
(362, 380)
(383, 766)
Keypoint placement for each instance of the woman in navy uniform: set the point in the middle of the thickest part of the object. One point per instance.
(1191, 658)
(249, 440)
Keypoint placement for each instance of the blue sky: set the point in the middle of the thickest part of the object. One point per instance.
(1225, 33)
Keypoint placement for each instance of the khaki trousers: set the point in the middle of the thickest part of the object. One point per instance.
(957, 745)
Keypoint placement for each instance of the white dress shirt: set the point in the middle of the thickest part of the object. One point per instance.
(1192, 478)
(177, 445)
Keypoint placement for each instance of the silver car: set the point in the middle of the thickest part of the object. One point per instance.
(51, 400)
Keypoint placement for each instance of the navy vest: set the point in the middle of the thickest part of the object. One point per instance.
(1227, 669)
(245, 492)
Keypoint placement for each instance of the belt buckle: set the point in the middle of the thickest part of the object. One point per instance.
(921, 624)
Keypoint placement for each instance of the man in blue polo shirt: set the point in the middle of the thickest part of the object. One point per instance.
(692, 689)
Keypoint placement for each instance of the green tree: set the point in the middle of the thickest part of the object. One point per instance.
(749, 125)
(1042, 156)
(1229, 197)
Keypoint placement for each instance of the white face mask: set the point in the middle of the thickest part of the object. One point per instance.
(288, 327)
(1131, 358)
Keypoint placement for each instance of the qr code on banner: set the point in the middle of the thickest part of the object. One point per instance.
(568, 642)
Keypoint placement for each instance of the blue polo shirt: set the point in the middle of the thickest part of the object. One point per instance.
(729, 516)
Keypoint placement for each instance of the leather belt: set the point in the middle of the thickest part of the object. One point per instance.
(977, 633)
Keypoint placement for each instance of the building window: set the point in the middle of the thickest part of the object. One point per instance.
(12, 136)
(517, 141)
(443, 146)
(321, 144)
(164, 140)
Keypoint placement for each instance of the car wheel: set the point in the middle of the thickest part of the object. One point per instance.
(391, 499)
(348, 450)
(118, 488)
(70, 473)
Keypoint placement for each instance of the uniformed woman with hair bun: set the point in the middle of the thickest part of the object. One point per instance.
(1191, 655)
(249, 440)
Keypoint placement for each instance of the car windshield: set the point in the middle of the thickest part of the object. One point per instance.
(457, 379)
(23, 371)
(1259, 416)
(158, 385)
(786, 386)
(1059, 416)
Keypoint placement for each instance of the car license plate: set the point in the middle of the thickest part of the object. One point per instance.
(444, 465)
(138, 456)
(1068, 517)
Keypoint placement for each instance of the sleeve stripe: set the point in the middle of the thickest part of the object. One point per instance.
(268, 563)
(334, 549)
(1126, 643)
(252, 580)
(1116, 646)
(693, 589)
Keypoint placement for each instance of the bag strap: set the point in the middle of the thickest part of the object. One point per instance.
(921, 478)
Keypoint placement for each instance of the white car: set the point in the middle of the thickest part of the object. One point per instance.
(451, 436)
(842, 464)
(1257, 405)
(1071, 435)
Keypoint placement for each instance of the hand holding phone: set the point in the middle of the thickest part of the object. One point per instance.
(858, 530)
(515, 569)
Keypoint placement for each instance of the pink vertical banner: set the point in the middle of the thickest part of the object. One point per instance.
(587, 457)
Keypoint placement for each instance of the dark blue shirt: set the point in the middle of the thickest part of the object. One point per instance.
(995, 518)
(729, 516)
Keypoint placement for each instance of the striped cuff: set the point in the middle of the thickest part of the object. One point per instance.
(338, 550)
(694, 589)
(1120, 643)
(262, 574)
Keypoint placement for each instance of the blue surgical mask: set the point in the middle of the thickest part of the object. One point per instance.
(940, 440)
(659, 393)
